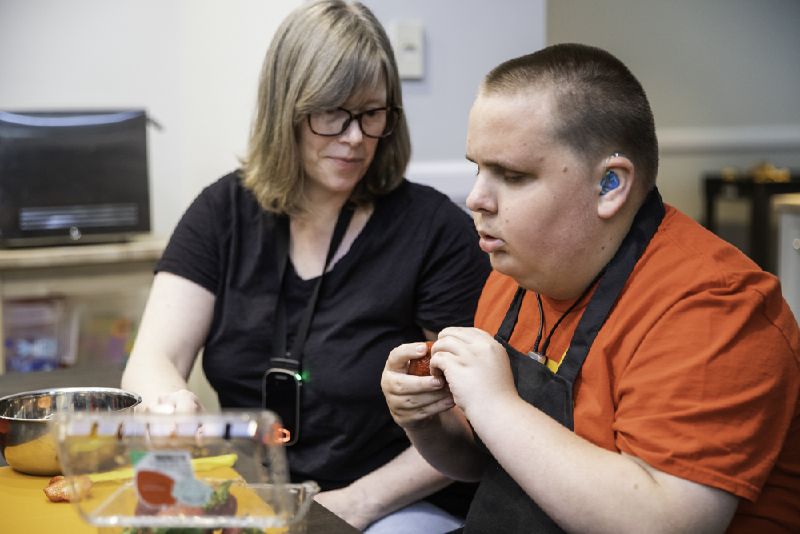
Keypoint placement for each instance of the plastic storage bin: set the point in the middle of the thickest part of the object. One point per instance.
(39, 334)
(201, 471)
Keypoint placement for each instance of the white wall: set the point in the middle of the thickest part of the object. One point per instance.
(193, 64)
(722, 76)
(464, 39)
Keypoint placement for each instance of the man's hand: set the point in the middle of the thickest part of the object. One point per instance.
(412, 399)
(475, 366)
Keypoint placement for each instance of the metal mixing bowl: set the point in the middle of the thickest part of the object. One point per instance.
(25, 440)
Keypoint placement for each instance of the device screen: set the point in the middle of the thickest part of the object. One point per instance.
(282, 396)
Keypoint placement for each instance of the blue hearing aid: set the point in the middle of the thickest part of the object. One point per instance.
(609, 181)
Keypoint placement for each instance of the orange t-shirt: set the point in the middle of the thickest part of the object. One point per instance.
(696, 370)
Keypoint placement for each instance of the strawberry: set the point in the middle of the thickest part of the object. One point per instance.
(61, 489)
(421, 366)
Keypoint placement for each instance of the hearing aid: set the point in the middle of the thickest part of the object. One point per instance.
(609, 181)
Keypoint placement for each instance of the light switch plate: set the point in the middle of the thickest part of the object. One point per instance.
(408, 40)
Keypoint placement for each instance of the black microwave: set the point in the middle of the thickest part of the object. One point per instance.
(69, 177)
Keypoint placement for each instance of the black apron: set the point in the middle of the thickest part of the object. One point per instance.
(500, 505)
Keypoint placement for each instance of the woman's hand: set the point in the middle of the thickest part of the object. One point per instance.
(412, 399)
(475, 366)
(181, 401)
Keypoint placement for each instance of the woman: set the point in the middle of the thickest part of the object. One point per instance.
(242, 269)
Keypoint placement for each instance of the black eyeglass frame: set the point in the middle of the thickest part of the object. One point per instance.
(392, 118)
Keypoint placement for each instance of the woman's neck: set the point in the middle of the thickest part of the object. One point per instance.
(320, 209)
(310, 236)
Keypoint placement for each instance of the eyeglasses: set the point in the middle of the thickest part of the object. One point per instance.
(376, 123)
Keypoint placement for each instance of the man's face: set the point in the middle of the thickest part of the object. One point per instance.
(534, 202)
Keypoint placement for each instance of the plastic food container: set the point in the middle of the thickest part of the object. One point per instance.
(196, 471)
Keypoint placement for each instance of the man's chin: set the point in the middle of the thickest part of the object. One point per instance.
(501, 263)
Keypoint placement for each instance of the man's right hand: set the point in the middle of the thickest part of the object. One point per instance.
(412, 399)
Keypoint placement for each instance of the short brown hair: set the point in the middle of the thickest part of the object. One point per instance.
(321, 54)
(602, 107)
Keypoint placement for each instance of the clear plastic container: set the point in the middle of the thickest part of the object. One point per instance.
(40, 334)
(201, 471)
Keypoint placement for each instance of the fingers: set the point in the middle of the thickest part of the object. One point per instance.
(187, 402)
(412, 409)
(453, 343)
(462, 334)
(458, 342)
(181, 401)
(399, 356)
(412, 398)
(396, 382)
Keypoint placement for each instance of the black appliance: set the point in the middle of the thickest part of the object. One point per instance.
(69, 177)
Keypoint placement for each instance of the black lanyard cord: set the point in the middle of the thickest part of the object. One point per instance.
(294, 357)
(558, 322)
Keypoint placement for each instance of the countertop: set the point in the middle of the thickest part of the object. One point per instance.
(144, 248)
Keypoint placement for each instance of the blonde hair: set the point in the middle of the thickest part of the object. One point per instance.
(323, 53)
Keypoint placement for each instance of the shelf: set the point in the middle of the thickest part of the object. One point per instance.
(759, 194)
(99, 281)
(140, 249)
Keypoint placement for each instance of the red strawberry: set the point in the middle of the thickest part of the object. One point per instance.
(61, 489)
(421, 366)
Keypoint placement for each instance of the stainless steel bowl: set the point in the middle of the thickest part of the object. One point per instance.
(25, 440)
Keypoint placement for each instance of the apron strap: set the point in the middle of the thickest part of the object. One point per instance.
(510, 320)
(612, 281)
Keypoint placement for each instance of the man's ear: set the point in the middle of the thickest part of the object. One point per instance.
(614, 188)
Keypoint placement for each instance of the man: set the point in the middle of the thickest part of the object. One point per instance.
(644, 373)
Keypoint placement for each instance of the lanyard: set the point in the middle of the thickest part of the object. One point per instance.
(500, 505)
(292, 359)
(610, 282)
(541, 356)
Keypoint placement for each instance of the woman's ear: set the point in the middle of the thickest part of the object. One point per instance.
(615, 185)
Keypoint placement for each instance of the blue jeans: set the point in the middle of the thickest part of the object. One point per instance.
(418, 518)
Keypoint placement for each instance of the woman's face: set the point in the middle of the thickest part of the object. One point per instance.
(334, 165)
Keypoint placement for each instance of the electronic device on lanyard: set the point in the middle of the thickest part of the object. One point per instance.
(283, 381)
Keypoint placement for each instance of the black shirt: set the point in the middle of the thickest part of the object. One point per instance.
(297, 293)
(415, 264)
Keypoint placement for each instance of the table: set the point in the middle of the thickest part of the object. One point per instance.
(25, 509)
(23, 506)
(759, 194)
